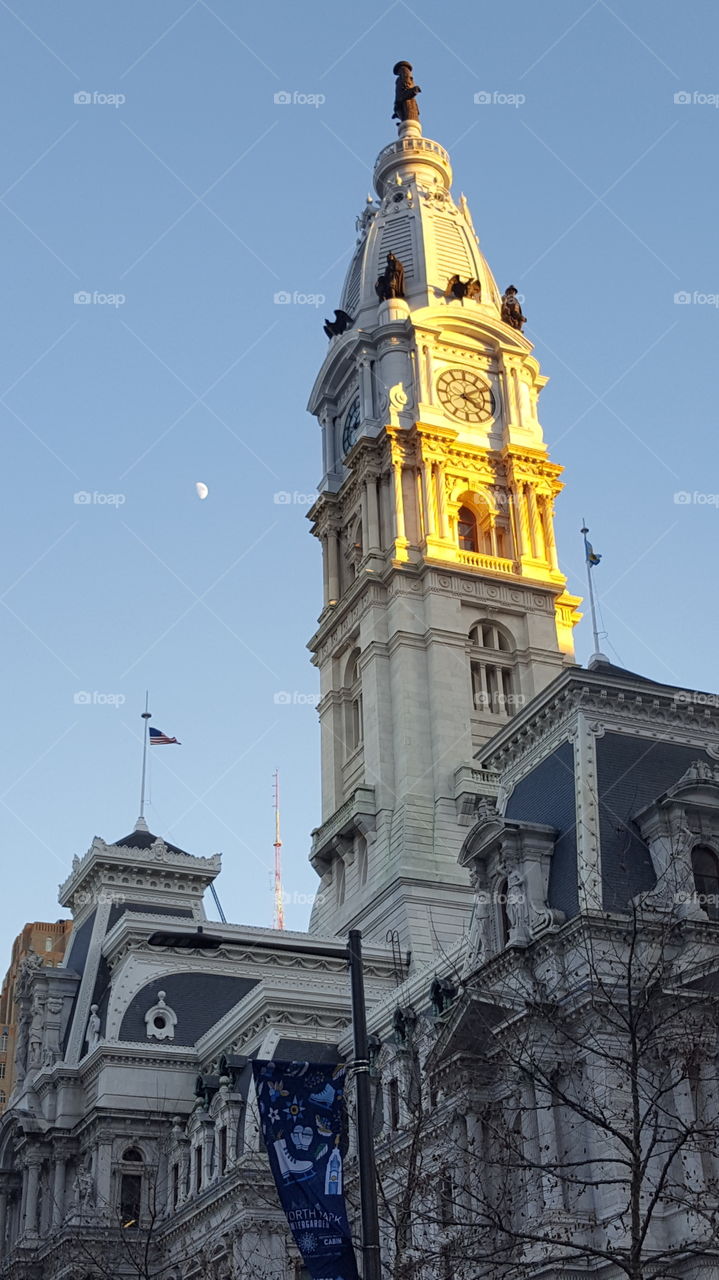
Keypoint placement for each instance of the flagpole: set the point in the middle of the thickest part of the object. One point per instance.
(141, 825)
(595, 630)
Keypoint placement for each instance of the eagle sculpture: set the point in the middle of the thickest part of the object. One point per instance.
(341, 322)
(462, 289)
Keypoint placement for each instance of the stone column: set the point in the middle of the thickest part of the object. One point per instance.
(3, 1218)
(333, 562)
(442, 501)
(690, 1158)
(58, 1191)
(366, 398)
(525, 542)
(535, 524)
(430, 518)
(32, 1176)
(547, 1136)
(398, 500)
(548, 527)
(372, 531)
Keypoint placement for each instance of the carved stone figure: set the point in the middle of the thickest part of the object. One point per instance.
(515, 903)
(36, 1032)
(340, 323)
(511, 309)
(391, 283)
(92, 1035)
(406, 106)
(83, 1196)
(462, 289)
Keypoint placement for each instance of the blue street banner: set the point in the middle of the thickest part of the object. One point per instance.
(302, 1114)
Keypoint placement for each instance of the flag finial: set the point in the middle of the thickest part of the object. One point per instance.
(592, 560)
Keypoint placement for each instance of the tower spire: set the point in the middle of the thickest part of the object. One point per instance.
(279, 922)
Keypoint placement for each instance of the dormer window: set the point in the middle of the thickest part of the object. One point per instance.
(705, 865)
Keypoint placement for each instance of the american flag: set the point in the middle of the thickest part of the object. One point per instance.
(160, 739)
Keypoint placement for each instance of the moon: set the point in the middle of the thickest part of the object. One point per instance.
(202, 490)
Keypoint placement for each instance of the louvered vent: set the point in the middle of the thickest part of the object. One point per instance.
(351, 296)
(452, 257)
(397, 239)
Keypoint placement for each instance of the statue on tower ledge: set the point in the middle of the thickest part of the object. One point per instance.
(511, 309)
(405, 105)
(391, 283)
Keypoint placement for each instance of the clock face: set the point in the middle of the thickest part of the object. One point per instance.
(465, 395)
(350, 425)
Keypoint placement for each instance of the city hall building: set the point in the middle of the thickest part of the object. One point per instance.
(530, 849)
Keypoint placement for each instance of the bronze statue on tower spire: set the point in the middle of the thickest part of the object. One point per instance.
(405, 105)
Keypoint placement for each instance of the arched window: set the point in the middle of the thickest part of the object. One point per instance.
(467, 532)
(130, 1189)
(492, 670)
(3, 1040)
(705, 865)
(49, 944)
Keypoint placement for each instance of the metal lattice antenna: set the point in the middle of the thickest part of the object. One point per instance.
(279, 922)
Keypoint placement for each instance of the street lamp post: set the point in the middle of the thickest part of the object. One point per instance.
(352, 953)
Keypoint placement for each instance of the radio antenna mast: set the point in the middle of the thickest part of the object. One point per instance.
(279, 922)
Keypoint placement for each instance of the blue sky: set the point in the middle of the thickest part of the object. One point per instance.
(195, 200)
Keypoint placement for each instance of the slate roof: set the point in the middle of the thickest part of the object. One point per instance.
(198, 999)
(144, 840)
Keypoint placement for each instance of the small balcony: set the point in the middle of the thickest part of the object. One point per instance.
(495, 564)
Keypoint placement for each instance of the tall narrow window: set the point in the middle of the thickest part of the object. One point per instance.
(446, 1201)
(393, 1091)
(352, 697)
(223, 1149)
(492, 674)
(467, 530)
(705, 865)
(175, 1185)
(198, 1168)
(130, 1200)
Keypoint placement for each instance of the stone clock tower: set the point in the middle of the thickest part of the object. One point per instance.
(445, 609)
